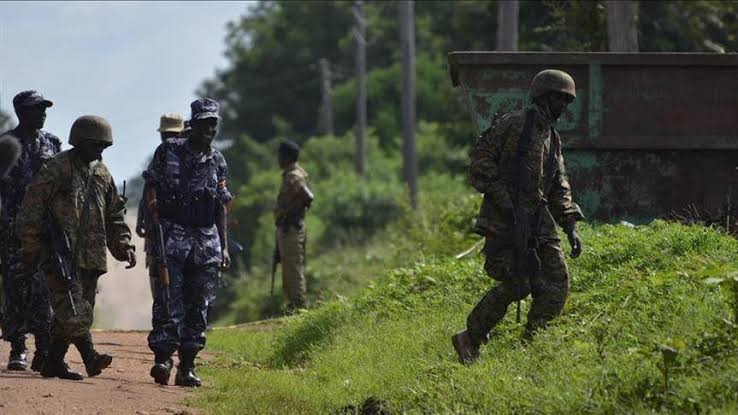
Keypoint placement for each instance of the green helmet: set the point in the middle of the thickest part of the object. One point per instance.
(90, 127)
(552, 80)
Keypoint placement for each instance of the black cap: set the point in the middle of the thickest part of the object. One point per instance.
(29, 99)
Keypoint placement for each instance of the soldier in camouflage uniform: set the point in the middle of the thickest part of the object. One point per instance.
(170, 126)
(26, 299)
(75, 193)
(293, 201)
(189, 199)
(547, 199)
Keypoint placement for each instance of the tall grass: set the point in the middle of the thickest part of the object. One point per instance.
(643, 331)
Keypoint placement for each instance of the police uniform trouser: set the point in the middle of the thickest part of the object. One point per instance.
(191, 290)
(66, 326)
(549, 289)
(26, 306)
(291, 245)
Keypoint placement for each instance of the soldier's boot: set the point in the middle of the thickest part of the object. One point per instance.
(466, 347)
(186, 371)
(94, 362)
(17, 359)
(55, 367)
(162, 368)
(41, 353)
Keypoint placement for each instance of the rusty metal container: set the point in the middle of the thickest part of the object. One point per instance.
(649, 134)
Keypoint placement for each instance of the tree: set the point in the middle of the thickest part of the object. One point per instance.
(622, 25)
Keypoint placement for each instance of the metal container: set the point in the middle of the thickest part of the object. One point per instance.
(649, 134)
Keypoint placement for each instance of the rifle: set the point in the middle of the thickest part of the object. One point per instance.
(163, 267)
(62, 252)
(525, 256)
(276, 259)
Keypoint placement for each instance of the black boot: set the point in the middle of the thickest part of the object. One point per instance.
(41, 353)
(55, 367)
(186, 371)
(94, 362)
(162, 368)
(17, 359)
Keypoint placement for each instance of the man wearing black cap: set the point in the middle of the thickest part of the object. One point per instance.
(293, 201)
(26, 297)
(188, 199)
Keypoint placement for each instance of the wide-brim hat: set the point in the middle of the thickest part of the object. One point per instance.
(171, 122)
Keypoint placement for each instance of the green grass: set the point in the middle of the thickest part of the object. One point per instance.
(641, 312)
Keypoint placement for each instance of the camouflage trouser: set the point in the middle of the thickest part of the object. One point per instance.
(291, 245)
(549, 289)
(191, 290)
(26, 306)
(66, 327)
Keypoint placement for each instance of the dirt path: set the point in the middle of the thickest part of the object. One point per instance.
(123, 388)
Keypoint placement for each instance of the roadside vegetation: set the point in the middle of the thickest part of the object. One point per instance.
(650, 326)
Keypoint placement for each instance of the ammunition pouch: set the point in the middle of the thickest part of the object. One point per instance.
(195, 210)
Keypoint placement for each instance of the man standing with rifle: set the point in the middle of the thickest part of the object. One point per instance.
(187, 201)
(75, 197)
(518, 165)
(293, 201)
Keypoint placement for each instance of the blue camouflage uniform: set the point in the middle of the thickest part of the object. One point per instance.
(26, 298)
(190, 187)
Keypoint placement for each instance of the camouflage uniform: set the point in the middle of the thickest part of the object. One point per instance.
(491, 172)
(60, 190)
(26, 298)
(193, 250)
(291, 235)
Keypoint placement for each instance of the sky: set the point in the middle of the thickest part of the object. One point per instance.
(126, 61)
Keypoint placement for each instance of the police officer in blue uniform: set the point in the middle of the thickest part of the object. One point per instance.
(188, 198)
(26, 298)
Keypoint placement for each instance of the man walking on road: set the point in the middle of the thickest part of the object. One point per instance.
(25, 296)
(517, 164)
(74, 197)
(188, 200)
(293, 201)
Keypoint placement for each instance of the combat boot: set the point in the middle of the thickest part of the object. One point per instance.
(17, 359)
(41, 353)
(55, 367)
(466, 348)
(94, 362)
(162, 368)
(186, 371)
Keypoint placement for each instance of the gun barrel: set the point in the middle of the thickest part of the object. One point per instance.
(71, 301)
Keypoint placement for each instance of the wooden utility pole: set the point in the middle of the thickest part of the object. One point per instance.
(360, 42)
(326, 93)
(407, 44)
(622, 25)
(507, 25)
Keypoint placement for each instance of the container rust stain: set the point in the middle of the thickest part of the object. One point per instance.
(649, 134)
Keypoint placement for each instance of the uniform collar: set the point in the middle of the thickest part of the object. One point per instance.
(543, 113)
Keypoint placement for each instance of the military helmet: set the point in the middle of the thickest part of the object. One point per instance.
(90, 127)
(552, 80)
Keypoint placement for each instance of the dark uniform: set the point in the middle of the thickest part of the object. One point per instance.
(546, 199)
(190, 188)
(79, 198)
(25, 296)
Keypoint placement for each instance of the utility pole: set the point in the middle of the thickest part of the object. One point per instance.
(507, 25)
(360, 42)
(622, 26)
(407, 42)
(326, 93)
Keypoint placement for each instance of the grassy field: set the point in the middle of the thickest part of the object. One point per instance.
(650, 326)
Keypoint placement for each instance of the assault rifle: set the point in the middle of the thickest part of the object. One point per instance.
(163, 267)
(276, 259)
(62, 257)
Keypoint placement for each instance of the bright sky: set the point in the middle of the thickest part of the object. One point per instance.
(126, 61)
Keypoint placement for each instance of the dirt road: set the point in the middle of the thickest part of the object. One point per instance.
(123, 388)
